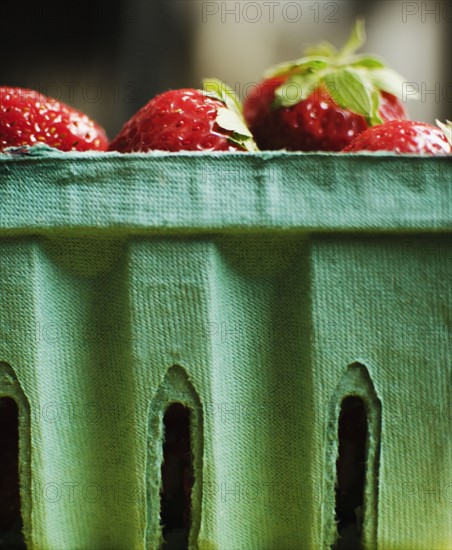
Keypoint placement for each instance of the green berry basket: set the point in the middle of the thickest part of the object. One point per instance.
(266, 293)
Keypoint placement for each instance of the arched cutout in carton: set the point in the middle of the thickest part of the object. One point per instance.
(15, 476)
(175, 411)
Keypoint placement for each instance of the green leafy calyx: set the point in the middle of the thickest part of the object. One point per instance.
(355, 82)
(230, 117)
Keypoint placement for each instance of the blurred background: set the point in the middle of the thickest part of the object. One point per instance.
(109, 57)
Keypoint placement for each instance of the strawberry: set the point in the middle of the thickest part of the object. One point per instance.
(322, 101)
(404, 136)
(28, 117)
(188, 119)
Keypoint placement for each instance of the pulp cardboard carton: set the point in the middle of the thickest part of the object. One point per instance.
(258, 290)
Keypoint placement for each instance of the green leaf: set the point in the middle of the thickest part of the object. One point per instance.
(375, 118)
(323, 49)
(356, 39)
(230, 120)
(219, 90)
(245, 142)
(367, 62)
(389, 81)
(447, 129)
(350, 91)
(230, 117)
(304, 64)
(295, 89)
(233, 122)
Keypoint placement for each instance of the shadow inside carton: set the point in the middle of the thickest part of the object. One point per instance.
(10, 518)
(351, 473)
(177, 478)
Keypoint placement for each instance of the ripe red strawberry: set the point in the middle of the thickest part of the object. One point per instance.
(187, 119)
(322, 101)
(28, 117)
(316, 123)
(403, 136)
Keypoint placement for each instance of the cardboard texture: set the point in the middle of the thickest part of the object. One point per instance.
(258, 290)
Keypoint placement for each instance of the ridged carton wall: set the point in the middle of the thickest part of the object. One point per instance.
(259, 290)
